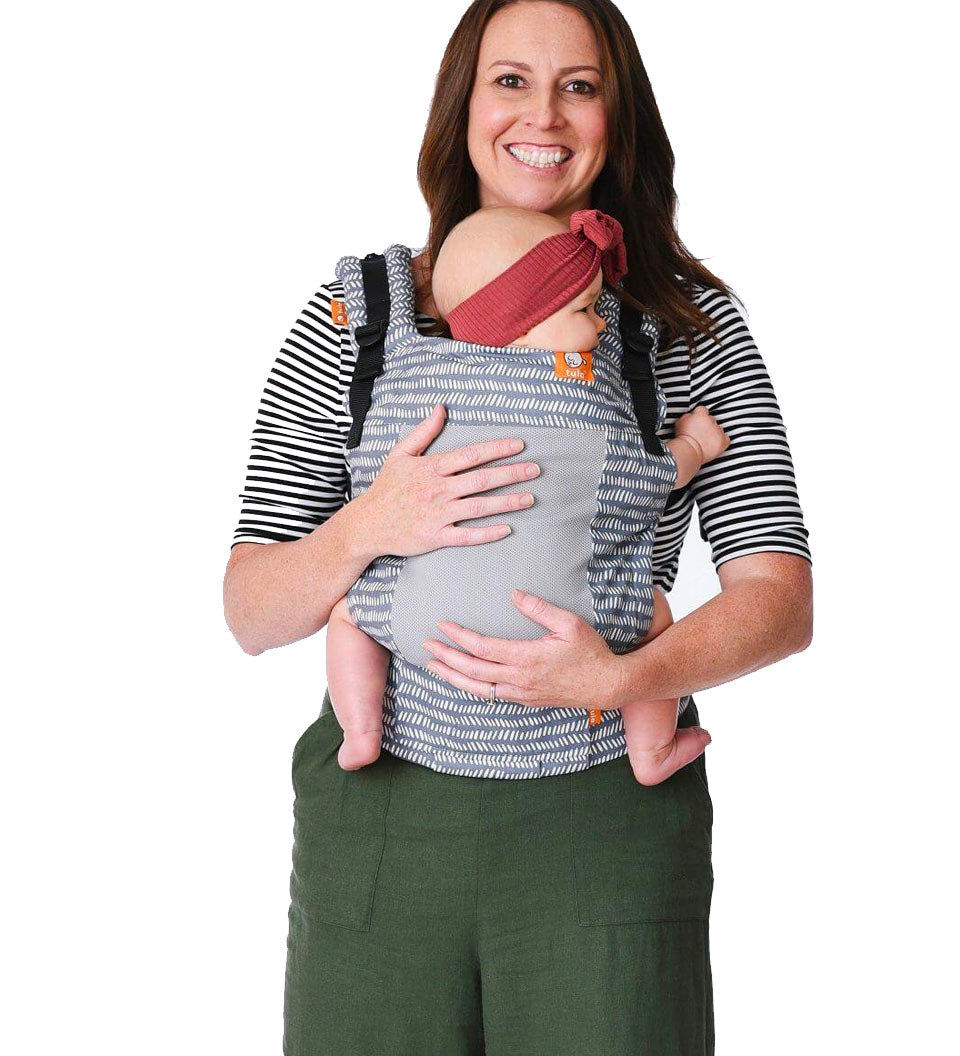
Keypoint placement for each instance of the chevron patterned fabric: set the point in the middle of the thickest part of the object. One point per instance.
(599, 499)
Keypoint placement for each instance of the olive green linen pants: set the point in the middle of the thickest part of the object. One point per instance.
(439, 915)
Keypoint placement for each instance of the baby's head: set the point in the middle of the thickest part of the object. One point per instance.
(498, 282)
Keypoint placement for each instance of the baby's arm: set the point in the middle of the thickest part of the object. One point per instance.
(697, 439)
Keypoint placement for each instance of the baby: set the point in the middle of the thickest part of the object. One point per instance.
(477, 251)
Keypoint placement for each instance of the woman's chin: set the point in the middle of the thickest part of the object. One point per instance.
(532, 194)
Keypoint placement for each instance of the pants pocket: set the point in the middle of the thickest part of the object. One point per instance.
(641, 853)
(338, 831)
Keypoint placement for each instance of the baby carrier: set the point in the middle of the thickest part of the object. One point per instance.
(590, 422)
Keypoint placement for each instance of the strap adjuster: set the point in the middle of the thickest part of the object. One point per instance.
(635, 364)
(637, 338)
(370, 333)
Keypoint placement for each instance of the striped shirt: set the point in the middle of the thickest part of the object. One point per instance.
(746, 498)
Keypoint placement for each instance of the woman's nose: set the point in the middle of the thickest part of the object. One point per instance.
(544, 110)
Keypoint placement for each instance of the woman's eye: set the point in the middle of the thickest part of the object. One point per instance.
(586, 87)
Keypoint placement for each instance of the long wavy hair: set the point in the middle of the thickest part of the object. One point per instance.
(635, 184)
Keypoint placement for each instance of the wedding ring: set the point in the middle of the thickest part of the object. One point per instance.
(493, 691)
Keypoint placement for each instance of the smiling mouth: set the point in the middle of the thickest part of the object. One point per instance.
(539, 157)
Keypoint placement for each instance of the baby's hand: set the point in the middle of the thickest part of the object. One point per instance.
(705, 429)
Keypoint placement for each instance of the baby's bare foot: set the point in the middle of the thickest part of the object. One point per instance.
(359, 748)
(653, 765)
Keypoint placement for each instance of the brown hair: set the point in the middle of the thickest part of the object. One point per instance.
(635, 185)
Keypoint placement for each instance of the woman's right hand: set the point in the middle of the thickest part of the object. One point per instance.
(415, 499)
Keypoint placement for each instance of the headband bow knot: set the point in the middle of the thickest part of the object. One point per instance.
(606, 233)
(542, 281)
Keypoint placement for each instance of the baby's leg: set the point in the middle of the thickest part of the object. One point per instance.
(356, 678)
(655, 746)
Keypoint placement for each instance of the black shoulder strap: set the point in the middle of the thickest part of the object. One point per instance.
(637, 370)
(369, 340)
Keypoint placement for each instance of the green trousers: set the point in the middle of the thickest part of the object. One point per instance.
(439, 915)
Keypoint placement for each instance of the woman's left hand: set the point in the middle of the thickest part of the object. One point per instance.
(571, 667)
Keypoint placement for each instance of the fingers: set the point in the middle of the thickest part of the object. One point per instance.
(504, 690)
(455, 533)
(422, 435)
(486, 506)
(505, 651)
(700, 425)
(460, 535)
(492, 477)
(425, 495)
(478, 669)
(475, 454)
(544, 612)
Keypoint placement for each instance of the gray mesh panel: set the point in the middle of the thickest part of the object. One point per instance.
(548, 552)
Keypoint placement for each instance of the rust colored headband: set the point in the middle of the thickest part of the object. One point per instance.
(542, 281)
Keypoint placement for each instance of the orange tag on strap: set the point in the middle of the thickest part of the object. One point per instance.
(339, 312)
(595, 716)
(573, 365)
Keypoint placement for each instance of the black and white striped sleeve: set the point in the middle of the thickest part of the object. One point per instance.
(746, 498)
(297, 473)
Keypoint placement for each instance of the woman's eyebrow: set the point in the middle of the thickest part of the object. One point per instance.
(524, 66)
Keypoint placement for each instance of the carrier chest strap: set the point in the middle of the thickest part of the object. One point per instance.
(369, 339)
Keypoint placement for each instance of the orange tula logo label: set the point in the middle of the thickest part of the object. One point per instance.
(339, 312)
(573, 365)
(595, 716)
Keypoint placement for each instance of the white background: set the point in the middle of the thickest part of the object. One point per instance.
(180, 178)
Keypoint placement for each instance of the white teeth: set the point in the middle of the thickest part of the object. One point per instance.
(541, 159)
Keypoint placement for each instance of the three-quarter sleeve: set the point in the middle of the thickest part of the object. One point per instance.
(746, 498)
(297, 472)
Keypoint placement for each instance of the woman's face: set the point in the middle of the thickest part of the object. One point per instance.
(537, 94)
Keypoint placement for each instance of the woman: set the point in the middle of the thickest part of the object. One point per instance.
(440, 913)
